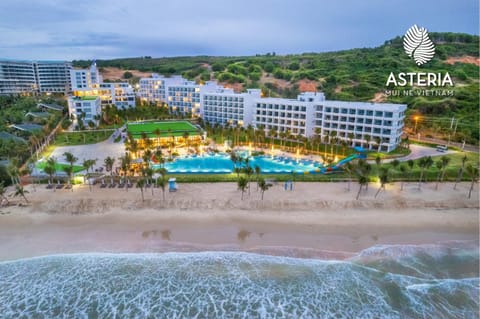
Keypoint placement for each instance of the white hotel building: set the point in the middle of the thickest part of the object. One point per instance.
(34, 77)
(88, 82)
(309, 114)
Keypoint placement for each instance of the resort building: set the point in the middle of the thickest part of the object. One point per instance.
(373, 125)
(186, 97)
(155, 88)
(85, 78)
(34, 77)
(288, 115)
(89, 83)
(224, 106)
(86, 107)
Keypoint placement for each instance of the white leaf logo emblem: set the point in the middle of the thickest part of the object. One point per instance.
(418, 45)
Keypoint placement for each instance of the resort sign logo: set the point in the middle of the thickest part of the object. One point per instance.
(418, 45)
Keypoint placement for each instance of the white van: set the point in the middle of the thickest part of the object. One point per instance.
(442, 148)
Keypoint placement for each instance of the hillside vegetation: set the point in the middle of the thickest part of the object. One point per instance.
(355, 75)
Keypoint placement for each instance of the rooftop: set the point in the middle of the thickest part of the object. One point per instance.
(27, 127)
(8, 136)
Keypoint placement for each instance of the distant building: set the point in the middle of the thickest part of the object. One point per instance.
(34, 77)
(224, 106)
(87, 107)
(85, 78)
(88, 82)
(373, 125)
(155, 88)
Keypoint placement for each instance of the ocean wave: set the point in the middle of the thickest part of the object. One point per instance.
(223, 285)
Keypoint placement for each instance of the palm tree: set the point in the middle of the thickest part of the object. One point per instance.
(411, 164)
(125, 165)
(362, 181)
(348, 168)
(424, 163)
(29, 170)
(249, 172)
(109, 161)
(367, 139)
(472, 171)
(185, 138)
(68, 170)
(395, 163)
(141, 185)
(460, 172)
(3, 191)
(13, 171)
(378, 161)
(87, 165)
(257, 170)
(362, 171)
(383, 176)
(70, 158)
(263, 186)
(378, 141)
(162, 180)
(403, 170)
(445, 161)
(272, 133)
(439, 165)
(157, 133)
(242, 184)
(350, 138)
(51, 169)
(20, 191)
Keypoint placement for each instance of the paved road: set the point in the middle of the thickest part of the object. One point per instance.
(97, 151)
(466, 147)
(418, 151)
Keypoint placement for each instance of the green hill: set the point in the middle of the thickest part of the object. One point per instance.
(356, 74)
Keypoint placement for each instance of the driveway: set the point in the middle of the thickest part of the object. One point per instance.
(98, 151)
(418, 151)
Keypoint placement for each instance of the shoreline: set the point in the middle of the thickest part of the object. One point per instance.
(316, 220)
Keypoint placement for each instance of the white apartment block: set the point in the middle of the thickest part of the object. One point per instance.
(34, 77)
(89, 83)
(155, 88)
(379, 124)
(224, 106)
(288, 115)
(89, 106)
(85, 78)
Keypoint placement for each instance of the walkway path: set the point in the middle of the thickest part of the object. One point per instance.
(98, 151)
(418, 151)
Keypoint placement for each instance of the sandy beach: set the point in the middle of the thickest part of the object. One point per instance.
(320, 220)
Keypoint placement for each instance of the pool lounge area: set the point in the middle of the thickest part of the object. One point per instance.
(220, 163)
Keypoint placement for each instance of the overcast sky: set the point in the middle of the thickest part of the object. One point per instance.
(86, 29)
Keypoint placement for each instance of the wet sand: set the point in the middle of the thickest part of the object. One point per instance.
(317, 220)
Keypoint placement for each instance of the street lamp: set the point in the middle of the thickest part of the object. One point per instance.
(416, 122)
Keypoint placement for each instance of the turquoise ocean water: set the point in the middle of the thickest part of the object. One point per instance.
(429, 281)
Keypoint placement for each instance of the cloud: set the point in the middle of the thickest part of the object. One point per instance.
(61, 29)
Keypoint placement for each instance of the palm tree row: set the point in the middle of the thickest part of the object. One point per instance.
(362, 171)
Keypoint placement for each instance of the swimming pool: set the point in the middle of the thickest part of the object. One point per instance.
(221, 164)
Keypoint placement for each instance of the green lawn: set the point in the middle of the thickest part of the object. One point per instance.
(60, 166)
(167, 129)
(81, 138)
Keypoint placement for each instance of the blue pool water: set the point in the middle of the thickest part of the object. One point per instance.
(221, 164)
